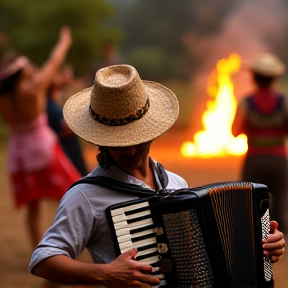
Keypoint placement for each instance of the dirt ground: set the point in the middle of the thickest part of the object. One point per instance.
(15, 251)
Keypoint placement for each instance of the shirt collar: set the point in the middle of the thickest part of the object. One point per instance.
(118, 174)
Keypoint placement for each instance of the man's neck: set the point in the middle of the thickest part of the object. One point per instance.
(144, 173)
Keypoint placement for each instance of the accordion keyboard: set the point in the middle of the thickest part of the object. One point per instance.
(134, 228)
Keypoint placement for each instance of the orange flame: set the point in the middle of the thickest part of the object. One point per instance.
(216, 139)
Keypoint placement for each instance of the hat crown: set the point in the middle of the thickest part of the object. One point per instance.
(120, 109)
(118, 92)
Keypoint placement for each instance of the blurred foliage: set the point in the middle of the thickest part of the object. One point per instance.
(155, 32)
(184, 93)
(32, 28)
(151, 62)
(149, 34)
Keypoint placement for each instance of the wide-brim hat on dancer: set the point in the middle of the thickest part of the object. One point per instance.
(268, 64)
(120, 109)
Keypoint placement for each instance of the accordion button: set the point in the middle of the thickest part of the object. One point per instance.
(159, 230)
(162, 248)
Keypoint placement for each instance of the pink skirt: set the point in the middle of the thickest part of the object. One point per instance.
(50, 182)
(38, 167)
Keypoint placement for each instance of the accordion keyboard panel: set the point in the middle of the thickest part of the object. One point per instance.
(135, 229)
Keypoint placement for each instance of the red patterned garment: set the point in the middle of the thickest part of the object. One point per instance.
(37, 165)
(266, 123)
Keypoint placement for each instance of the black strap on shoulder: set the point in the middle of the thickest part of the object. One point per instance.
(111, 183)
(162, 174)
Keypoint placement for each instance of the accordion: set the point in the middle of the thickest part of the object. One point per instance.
(209, 236)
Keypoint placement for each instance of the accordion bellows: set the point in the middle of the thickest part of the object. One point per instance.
(209, 236)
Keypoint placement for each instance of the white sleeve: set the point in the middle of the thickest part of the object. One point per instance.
(71, 230)
(175, 181)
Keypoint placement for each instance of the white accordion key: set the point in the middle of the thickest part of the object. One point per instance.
(123, 250)
(129, 237)
(118, 211)
(126, 249)
(119, 218)
(123, 231)
(146, 251)
(160, 276)
(137, 244)
(123, 217)
(143, 233)
(121, 225)
(122, 210)
(162, 283)
(150, 260)
(124, 238)
(144, 242)
(125, 245)
(124, 224)
(155, 269)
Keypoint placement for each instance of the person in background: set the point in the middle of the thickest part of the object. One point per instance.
(109, 57)
(263, 117)
(122, 115)
(69, 140)
(37, 165)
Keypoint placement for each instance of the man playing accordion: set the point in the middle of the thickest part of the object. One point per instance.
(121, 114)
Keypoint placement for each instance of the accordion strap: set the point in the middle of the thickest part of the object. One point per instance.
(134, 189)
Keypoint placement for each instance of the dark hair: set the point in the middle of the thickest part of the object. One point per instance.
(263, 81)
(104, 158)
(8, 85)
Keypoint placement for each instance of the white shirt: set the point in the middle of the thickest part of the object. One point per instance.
(81, 218)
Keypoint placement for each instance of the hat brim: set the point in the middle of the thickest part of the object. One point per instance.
(162, 114)
(274, 68)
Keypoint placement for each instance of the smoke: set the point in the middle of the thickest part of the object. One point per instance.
(255, 26)
(250, 27)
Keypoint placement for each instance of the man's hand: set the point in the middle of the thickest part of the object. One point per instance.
(124, 271)
(274, 245)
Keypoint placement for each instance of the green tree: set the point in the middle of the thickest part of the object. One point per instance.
(32, 28)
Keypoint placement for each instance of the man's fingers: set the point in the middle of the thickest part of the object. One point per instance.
(275, 258)
(273, 226)
(130, 254)
(145, 268)
(138, 284)
(275, 237)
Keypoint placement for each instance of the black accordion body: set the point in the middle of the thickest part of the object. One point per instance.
(208, 236)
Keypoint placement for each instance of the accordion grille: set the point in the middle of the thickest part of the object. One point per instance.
(188, 249)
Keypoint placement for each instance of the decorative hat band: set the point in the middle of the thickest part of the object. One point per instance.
(135, 115)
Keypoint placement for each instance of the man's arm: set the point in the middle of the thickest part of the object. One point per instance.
(122, 272)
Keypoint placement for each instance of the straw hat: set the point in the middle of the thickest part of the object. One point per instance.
(120, 109)
(268, 64)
